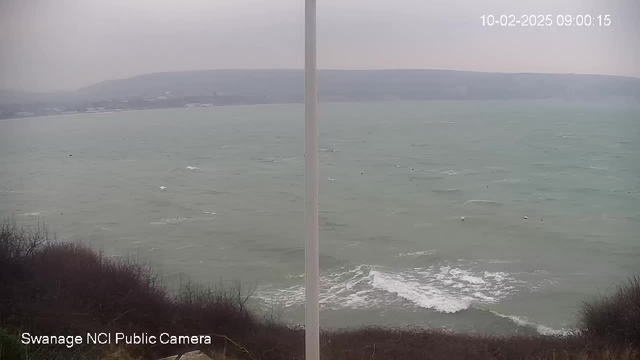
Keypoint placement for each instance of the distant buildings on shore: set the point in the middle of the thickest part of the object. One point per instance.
(163, 101)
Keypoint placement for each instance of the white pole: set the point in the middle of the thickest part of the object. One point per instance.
(312, 271)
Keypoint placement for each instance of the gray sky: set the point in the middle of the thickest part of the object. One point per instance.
(65, 44)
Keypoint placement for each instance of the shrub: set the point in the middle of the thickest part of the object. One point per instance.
(615, 317)
(19, 243)
(50, 287)
(10, 347)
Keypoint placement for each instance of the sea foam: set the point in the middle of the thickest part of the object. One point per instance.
(180, 219)
(417, 253)
(422, 295)
(524, 322)
(482, 202)
(444, 288)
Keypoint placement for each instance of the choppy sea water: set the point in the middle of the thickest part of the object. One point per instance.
(550, 196)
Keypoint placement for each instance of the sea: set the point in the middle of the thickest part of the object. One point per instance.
(475, 217)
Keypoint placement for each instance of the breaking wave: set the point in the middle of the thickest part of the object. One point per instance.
(417, 253)
(523, 321)
(180, 219)
(175, 220)
(446, 190)
(443, 288)
(482, 202)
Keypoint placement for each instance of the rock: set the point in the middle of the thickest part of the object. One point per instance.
(174, 357)
(194, 355)
(191, 355)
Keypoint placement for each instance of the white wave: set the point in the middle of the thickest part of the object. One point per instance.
(192, 168)
(510, 180)
(417, 253)
(497, 276)
(180, 219)
(600, 168)
(210, 213)
(331, 179)
(497, 261)
(482, 202)
(446, 288)
(31, 214)
(163, 188)
(524, 322)
(472, 279)
(338, 290)
(458, 172)
(424, 296)
(175, 220)
(446, 190)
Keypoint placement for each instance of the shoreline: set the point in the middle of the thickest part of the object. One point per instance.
(135, 110)
(630, 104)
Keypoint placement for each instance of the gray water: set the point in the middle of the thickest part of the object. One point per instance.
(396, 178)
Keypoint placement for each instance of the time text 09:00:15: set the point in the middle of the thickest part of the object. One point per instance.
(546, 20)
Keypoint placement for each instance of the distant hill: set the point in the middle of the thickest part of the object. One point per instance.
(352, 85)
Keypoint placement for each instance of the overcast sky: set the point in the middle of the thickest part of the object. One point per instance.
(65, 44)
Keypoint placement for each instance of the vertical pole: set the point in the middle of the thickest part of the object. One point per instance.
(312, 272)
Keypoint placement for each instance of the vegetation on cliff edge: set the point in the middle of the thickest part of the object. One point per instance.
(52, 287)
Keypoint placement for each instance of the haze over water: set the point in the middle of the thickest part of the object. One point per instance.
(549, 194)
